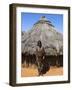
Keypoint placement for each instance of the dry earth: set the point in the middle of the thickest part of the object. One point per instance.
(32, 71)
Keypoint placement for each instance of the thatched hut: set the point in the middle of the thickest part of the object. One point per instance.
(51, 39)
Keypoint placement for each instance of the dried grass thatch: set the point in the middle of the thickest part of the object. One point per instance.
(43, 30)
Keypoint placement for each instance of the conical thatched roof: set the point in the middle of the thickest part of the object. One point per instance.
(43, 30)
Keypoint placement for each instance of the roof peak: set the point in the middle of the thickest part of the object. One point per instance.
(43, 18)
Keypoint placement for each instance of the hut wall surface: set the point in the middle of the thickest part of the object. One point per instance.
(51, 60)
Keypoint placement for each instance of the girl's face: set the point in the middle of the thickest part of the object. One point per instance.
(39, 44)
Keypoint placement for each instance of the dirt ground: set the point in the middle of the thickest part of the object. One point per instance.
(32, 71)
